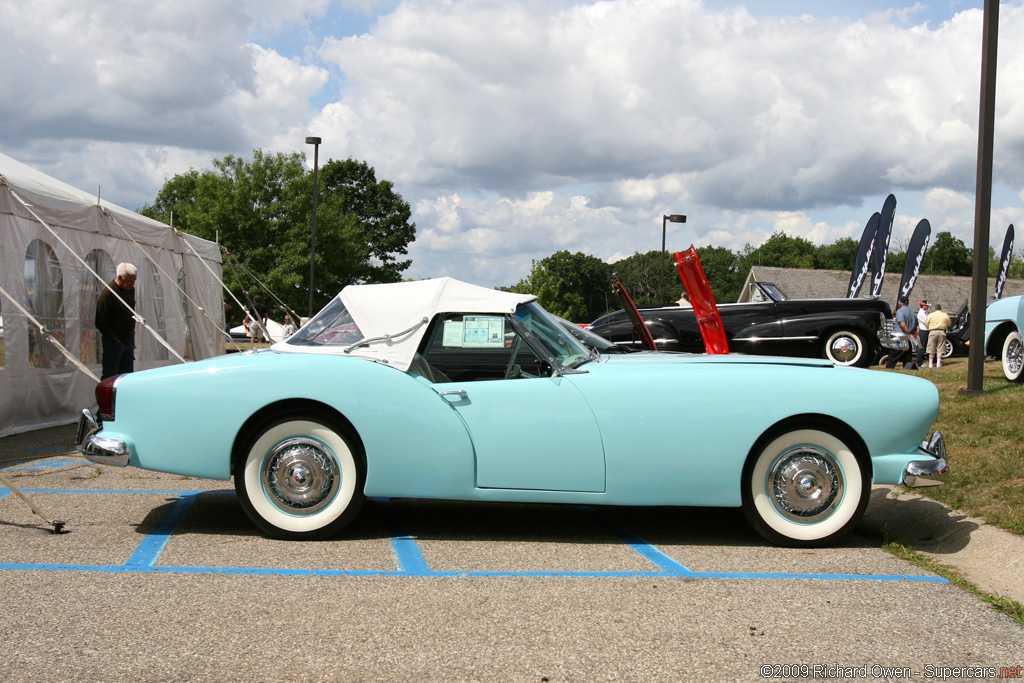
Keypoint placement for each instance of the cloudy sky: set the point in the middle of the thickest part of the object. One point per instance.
(517, 129)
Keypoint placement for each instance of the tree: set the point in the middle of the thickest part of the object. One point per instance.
(260, 211)
(721, 266)
(779, 250)
(894, 263)
(1016, 267)
(840, 255)
(380, 213)
(574, 286)
(948, 255)
(642, 276)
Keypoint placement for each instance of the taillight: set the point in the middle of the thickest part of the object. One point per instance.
(106, 393)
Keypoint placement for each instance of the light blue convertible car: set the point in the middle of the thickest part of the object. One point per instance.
(360, 403)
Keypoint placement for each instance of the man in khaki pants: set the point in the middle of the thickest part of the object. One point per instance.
(938, 322)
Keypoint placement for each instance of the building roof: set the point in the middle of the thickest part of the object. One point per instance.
(804, 283)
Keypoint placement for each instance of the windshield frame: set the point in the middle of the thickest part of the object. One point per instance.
(544, 334)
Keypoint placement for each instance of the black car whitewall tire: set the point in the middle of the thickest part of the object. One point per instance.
(1013, 357)
(846, 347)
(301, 478)
(947, 349)
(804, 487)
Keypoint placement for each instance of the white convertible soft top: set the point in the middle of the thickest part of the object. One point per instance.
(387, 310)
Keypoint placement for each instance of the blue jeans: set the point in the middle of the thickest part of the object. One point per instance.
(922, 336)
(118, 358)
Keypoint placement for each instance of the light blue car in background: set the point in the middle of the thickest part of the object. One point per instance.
(357, 403)
(1004, 322)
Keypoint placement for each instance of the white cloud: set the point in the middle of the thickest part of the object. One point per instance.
(516, 129)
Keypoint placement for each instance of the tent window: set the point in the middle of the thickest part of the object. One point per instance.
(90, 287)
(189, 352)
(154, 291)
(44, 287)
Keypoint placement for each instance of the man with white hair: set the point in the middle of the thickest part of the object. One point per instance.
(116, 322)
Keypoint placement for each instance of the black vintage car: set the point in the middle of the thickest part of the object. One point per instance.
(958, 333)
(845, 331)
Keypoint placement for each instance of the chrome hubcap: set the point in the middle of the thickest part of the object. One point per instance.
(300, 475)
(805, 484)
(844, 349)
(1014, 357)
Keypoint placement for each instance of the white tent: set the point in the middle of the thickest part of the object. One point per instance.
(274, 329)
(47, 230)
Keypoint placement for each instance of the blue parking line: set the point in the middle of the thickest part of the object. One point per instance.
(407, 552)
(49, 462)
(651, 553)
(408, 557)
(147, 553)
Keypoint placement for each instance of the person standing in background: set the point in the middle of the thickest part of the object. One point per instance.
(257, 319)
(907, 321)
(938, 322)
(922, 332)
(116, 322)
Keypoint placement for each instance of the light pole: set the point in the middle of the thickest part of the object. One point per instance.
(669, 218)
(312, 239)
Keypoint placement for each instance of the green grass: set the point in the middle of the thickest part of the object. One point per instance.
(984, 443)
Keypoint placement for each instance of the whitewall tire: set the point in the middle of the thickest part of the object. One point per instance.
(846, 347)
(1013, 357)
(804, 487)
(301, 478)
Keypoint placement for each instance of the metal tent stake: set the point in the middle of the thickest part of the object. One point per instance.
(58, 526)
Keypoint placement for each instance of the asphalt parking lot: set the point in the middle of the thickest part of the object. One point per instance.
(163, 578)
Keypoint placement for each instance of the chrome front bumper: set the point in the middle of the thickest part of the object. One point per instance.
(892, 337)
(930, 472)
(99, 449)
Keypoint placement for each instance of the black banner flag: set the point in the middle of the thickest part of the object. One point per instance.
(882, 243)
(1004, 261)
(862, 264)
(915, 255)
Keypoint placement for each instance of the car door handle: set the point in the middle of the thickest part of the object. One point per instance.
(460, 394)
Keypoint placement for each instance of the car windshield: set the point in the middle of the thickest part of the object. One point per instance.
(588, 338)
(331, 326)
(542, 328)
(773, 291)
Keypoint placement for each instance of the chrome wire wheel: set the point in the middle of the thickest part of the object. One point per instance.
(1013, 357)
(804, 487)
(301, 475)
(301, 478)
(806, 484)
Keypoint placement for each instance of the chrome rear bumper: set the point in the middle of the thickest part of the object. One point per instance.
(932, 471)
(99, 449)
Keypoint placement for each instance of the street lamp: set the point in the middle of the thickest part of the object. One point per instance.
(669, 218)
(312, 239)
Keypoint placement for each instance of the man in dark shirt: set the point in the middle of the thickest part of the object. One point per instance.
(907, 321)
(116, 323)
